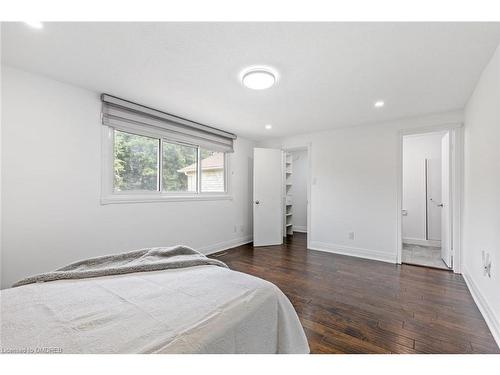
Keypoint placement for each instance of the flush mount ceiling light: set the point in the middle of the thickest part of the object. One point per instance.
(258, 77)
(34, 24)
(268, 126)
(379, 104)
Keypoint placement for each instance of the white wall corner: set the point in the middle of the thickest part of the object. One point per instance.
(354, 251)
(489, 316)
(225, 245)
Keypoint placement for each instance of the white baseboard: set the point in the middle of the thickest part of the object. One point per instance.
(210, 249)
(353, 251)
(417, 241)
(300, 228)
(489, 316)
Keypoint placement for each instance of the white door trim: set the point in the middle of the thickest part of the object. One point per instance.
(447, 209)
(456, 186)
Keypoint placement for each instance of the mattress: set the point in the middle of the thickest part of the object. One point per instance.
(202, 309)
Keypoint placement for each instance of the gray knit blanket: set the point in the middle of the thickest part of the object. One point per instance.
(153, 259)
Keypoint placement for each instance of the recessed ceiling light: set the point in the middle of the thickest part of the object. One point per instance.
(258, 77)
(35, 24)
(268, 126)
(379, 104)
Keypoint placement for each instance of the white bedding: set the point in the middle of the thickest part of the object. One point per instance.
(203, 309)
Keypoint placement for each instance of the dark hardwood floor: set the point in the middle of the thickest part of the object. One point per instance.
(353, 305)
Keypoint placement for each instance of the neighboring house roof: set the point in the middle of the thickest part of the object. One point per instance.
(213, 162)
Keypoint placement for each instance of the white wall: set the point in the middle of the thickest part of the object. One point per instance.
(50, 187)
(481, 208)
(299, 190)
(417, 148)
(354, 185)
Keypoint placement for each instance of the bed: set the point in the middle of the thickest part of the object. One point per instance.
(204, 308)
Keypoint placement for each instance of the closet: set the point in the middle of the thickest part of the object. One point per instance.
(287, 194)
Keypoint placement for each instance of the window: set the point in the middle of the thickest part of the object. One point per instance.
(151, 155)
(180, 167)
(173, 170)
(135, 162)
(212, 171)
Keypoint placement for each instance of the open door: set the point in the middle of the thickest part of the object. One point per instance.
(433, 193)
(445, 201)
(267, 197)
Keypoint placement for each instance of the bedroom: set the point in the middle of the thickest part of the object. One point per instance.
(248, 183)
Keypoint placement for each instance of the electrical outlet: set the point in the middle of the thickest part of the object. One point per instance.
(242, 228)
(486, 264)
(235, 228)
(351, 235)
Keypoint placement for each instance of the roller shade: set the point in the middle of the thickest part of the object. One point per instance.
(127, 116)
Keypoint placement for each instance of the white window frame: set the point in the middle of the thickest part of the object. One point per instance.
(109, 196)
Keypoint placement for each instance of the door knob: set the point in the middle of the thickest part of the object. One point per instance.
(257, 202)
(440, 205)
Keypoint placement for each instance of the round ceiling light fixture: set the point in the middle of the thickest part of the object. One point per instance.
(268, 126)
(259, 77)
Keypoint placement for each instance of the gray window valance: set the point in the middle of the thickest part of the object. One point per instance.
(128, 116)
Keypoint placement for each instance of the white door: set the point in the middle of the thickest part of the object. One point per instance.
(267, 199)
(433, 169)
(445, 200)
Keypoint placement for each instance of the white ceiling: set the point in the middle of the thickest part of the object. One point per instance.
(330, 73)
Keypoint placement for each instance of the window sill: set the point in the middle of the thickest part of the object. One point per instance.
(131, 198)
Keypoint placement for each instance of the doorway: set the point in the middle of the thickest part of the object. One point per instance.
(295, 181)
(281, 194)
(426, 200)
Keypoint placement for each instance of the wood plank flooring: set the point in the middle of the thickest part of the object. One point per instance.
(353, 305)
